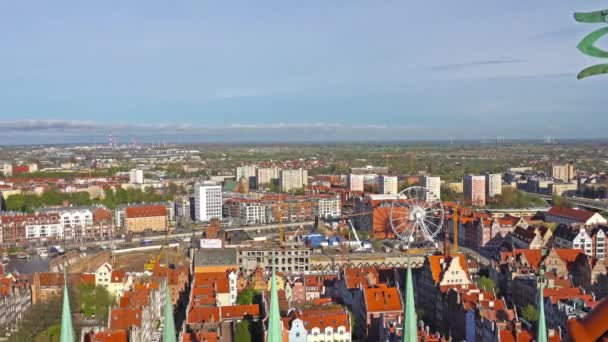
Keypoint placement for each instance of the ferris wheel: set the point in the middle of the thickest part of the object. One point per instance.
(416, 216)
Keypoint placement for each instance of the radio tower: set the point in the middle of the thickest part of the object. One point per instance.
(110, 140)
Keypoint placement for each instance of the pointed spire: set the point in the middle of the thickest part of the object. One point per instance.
(541, 334)
(67, 330)
(169, 333)
(275, 331)
(409, 333)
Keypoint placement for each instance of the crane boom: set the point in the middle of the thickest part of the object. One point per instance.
(355, 233)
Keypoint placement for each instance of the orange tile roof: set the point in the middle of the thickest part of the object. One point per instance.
(135, 298)
(435, 265)
(355, 276)
(146, 211)
(557, 294)
(533, 256)
(568, 255)
(108, 336)
(125, 318)
(240, 311)
(118, 276)
(201, 337)
(323, 321)
(381, 299)
(198, 314)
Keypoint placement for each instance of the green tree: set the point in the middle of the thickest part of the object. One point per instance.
(15, 202)
(242, 333)
(530, 313)
(486, 284)
(247, 297)
(121, 196)
(561, 201)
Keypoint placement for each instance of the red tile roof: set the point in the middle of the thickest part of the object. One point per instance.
(533, 256)
(355, 276)
(557, 294)
(322, 321)
(135, 298)
(146, 211)
(570, 213)
(118, 276)
(436, 268)
(381, 299)
(198, 314)
(124, 318)
(568, 255)
(108, 336)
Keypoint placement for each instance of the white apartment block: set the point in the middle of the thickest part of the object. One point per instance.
(247, 171)
(43, 229)
(493, 184)
(136, 176)
(355, 182)
(433, 184)
(293, 179)
(388, 185)
(330, 207)
(73, 220)
(370, 179)
(207, 201)
(265, 176)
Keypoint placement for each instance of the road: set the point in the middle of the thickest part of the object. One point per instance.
(600, 204)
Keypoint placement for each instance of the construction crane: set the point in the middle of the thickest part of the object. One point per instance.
(149, 266)
(455, 219)
(278, 215)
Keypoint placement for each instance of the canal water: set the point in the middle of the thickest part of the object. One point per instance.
(27, 266)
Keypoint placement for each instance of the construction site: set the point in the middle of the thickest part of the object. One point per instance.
(131, 260)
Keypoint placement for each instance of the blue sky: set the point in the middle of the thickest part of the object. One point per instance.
(305, 70)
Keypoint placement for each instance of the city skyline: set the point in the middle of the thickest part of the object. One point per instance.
(72, 72)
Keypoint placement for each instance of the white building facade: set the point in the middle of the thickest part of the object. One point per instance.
(293, 179)
(493, 184)
(208, 201)
(433, 184)
(388, 185)
(136, 176)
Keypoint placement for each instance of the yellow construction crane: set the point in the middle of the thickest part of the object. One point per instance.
(278, 215)
(149, 266)
(455, 219)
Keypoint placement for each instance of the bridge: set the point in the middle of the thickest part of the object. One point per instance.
(589, 203)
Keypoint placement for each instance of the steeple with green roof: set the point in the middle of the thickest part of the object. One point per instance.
(67, 330)
(275, 331)
(409, 333)
(541, 334)
(169, 334)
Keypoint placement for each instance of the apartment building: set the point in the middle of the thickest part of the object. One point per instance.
(493, 184)
(207, 201)
(433, 184)
(290, 260)
(563, 172)
(265, 177)
(136, 176)
(292, 180)
(475, 190)
(388, 185)
(355, 182)
(19, 228)
(146, 218)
